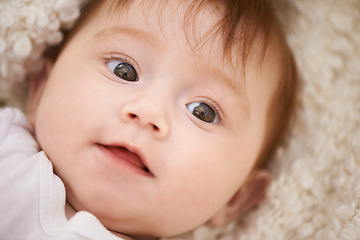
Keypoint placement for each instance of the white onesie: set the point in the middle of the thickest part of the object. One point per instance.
(32, 197)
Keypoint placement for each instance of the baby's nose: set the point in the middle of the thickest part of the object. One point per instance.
(147, 115)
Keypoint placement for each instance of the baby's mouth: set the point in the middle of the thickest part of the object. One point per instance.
(127, 155)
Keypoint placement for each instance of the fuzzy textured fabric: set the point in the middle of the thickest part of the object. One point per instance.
(27, 27)
(316, 172)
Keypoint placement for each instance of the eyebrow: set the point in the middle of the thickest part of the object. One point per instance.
(134, 32)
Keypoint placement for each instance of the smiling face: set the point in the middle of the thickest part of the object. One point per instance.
(148, 133)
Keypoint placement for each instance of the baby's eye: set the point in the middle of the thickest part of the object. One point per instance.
(123, 70)
(202, 111)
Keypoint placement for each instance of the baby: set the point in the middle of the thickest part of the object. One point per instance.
(154, 118)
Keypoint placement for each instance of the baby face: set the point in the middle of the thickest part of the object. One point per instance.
(149, 133)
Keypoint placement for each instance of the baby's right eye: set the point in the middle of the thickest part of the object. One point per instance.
(203, 112)
(123, 70)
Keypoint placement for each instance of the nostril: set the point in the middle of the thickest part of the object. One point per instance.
(151, 120)
(132, 115)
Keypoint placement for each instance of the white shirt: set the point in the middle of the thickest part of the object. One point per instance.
(32, 197)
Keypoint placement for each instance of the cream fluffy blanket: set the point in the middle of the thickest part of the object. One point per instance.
(316, 189)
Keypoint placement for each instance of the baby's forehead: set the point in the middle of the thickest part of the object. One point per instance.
(176, 19)
(233, 34)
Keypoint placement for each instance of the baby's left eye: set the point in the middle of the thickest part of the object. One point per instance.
(202, 111)
(123, 70)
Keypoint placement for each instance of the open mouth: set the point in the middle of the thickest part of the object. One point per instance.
(123, 154)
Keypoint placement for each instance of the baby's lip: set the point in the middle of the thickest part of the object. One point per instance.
(131, 155)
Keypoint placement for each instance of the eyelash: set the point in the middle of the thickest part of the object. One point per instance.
(216, 108)
(122, 58)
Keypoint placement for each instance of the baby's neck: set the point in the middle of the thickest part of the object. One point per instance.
(70, 212)
(129, 238)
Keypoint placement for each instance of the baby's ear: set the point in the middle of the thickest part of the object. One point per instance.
(251, 193)
(37, 84)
